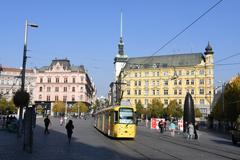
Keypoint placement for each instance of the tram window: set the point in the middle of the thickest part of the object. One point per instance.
(115, 116)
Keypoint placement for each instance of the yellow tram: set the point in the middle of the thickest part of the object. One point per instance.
(116, 121)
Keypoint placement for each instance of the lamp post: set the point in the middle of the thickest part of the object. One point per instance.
(23, 71)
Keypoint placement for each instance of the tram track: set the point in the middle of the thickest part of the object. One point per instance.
(196, 147)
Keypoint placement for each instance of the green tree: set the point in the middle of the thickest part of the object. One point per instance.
(59, 107)
(39, 109)
(155, 108)
(197, 112)
(3, 105)
(79, 106)
(174, 109)
(139, 109)
(12, 107)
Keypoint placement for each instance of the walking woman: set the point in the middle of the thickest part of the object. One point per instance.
(69, 128)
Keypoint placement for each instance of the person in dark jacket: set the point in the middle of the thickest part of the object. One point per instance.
(69, 127)
(46, 122)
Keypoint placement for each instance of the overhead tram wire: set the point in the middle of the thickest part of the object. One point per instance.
(227, 58)
(181, 32)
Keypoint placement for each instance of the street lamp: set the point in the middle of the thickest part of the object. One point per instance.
(24, 70)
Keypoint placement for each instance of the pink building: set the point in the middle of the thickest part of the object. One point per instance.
(62, 81)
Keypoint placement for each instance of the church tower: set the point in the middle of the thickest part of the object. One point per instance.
(121, 58)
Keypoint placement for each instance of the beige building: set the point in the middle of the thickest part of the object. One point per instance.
(170, 77)
(61, 81)
(10, 82)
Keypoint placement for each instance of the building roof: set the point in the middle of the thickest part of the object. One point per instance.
(65, 63)
(175, 60)
(17, 70)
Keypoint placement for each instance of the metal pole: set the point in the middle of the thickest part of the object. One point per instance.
(223, 85)
(23, 76)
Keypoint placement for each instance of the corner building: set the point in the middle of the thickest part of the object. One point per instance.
(61, 81)
(170, 77)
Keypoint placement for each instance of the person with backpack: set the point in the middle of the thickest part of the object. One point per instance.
(69, 127)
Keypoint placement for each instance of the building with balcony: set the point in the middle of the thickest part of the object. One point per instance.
(61, 81)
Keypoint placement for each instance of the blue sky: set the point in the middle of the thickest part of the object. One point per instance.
(87, 32)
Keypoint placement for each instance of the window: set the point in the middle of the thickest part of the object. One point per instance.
(48, 89)
(192, 72)
(41, 80)
(157, 83)
(202, 101)
(64, 98)
(192, 82)
(187, 82)
(146, 101)
(49, 80)
(175, 82)
(128, 92)
(56, 89)
(56, 98)
(180, 101)
(192, 91)
(73, 80)
(201, 81)
(40, 97)
(175, 92)
(139, 92)
(153, 92)
(165, 73)
(81, 97)
(158, 74)
(165, 82)
(40, 89)
(157, 92)
(48, 98)
(82, 78)
(128, 83)
(187, 73)
(180, 92)
(165, 101)
(73, 89)
(65, 80)
(135, 83)
(57, 80)
(139, 83)
(165, 91)
(153, 83)
(73, 98)
(201, 72)
(135, 92)
(136, 75)
(201, 91)
(180, 82)
(64, 89)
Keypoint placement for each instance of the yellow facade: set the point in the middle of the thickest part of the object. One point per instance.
(171, 82)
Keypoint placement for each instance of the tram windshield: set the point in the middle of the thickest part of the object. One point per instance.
(126, 115)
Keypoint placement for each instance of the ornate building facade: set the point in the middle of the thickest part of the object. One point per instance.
(10, 82)
(170, 77)
(61, 81)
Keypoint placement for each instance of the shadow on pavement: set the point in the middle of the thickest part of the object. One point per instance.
(54, 147)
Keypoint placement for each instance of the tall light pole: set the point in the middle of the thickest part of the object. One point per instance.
(23, 71)
(223, 88)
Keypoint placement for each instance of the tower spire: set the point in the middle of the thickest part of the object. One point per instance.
(121, 34)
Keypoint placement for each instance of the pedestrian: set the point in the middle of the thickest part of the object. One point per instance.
(69, 128)
(172, 128)
(190, 130)
(46, 122)
(160, 125)
(61, 121)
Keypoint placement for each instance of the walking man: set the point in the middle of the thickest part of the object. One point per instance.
(69, 127)
(46, 122)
